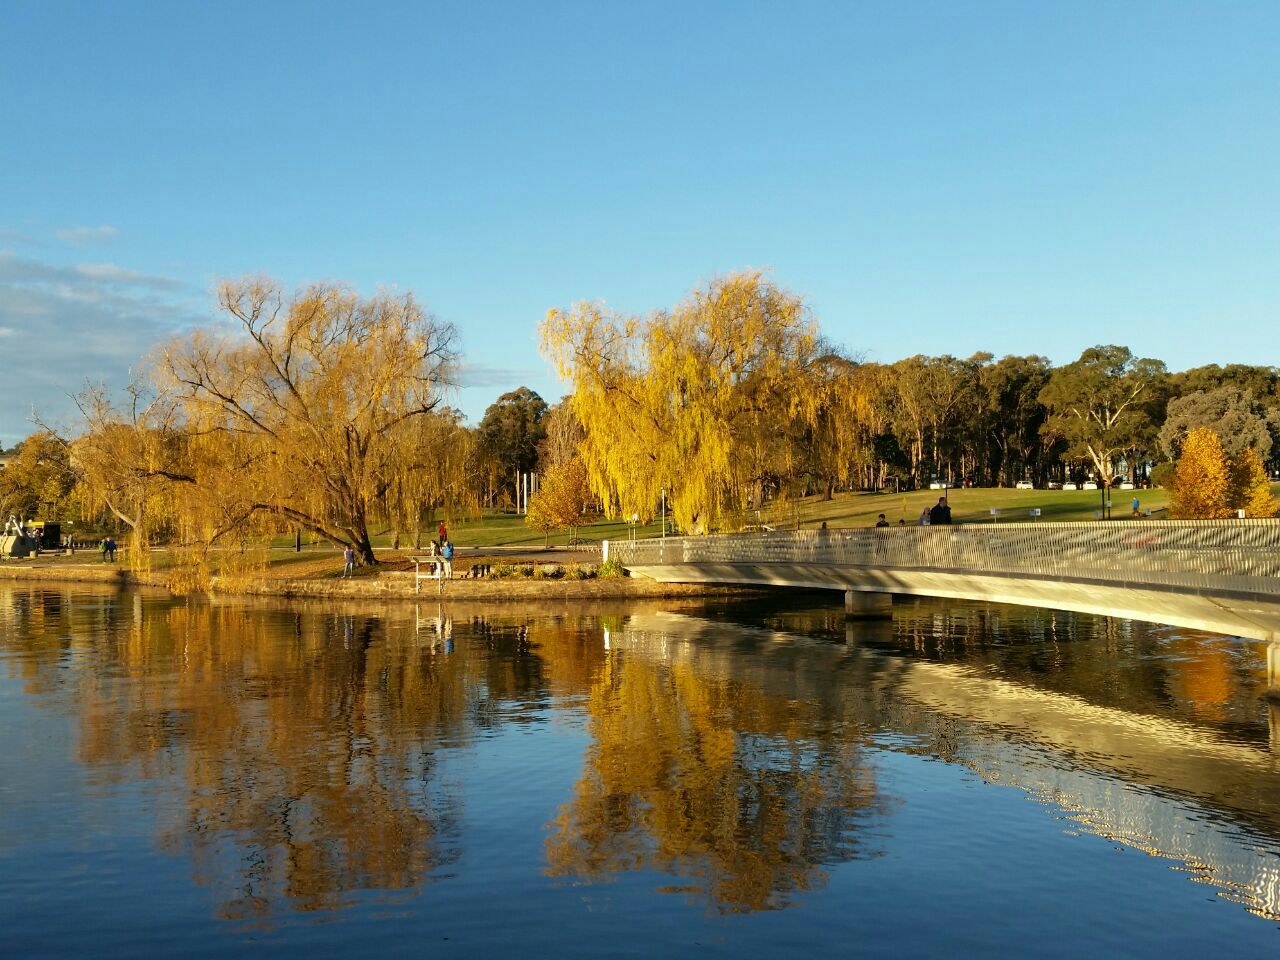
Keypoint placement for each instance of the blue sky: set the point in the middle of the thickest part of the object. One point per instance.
(943, 178)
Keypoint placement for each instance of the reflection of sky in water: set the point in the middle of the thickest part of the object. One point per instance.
(203, 778)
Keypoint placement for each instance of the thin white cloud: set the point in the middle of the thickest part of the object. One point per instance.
(89, 276)
(84, 236)
(479, 375)
(111, 273)
(61, 326)
(8, 235)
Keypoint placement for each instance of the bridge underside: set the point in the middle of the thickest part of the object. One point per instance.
(1239, 615)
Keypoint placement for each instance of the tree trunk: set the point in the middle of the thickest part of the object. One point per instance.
(364, 548)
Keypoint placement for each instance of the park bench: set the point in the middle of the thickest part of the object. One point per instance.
(435, 571)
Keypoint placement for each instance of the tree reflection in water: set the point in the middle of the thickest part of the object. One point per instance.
(306, 745)
(743, 793)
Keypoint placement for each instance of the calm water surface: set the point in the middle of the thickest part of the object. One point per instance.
(747, 780)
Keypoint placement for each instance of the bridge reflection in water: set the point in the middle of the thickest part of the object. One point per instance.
(1124, 774)
(302, 753)
(1219, 575)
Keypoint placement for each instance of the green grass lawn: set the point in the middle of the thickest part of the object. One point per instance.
(852, 510)
(975, 505)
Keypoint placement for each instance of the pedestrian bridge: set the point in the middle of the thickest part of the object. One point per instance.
(1217, 575)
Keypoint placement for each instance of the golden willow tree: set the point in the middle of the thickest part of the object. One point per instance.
(317, 411)
(312, 409)
(434, 478)
(701, 401)
(136, 463)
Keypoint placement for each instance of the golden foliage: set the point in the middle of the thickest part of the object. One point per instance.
(319, 412)
(708, 779)
(563, 501)
(699, 401)
(1250, 490)
(1201, 479)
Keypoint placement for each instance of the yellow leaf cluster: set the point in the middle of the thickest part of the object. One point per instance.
(1250, 489)
(1207, 485)
(701, 401)
(563, 500)
(1201, 479)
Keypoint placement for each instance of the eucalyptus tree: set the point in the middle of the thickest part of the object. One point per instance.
(1104, 405)
(1236, 415)
(1012, 387)
(510, 432)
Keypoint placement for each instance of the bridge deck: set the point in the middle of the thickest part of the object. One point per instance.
(1222, 576)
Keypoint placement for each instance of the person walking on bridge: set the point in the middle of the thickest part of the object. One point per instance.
(940, 514)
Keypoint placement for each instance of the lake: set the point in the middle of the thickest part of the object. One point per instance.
(745, 779)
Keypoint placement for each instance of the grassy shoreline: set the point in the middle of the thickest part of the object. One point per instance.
(389, 584)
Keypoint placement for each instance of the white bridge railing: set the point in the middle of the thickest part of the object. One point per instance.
(1238, 556)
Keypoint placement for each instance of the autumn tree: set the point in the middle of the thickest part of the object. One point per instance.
(835, 431)
(696, 400)
(1103, 405)
(435, 477)
(39, 480)
(306, 414)
(563, 499)
(1249, 489)
(1201, 481)
(136, 463)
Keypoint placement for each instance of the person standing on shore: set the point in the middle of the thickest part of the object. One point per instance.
(446, 553)
(348, 562)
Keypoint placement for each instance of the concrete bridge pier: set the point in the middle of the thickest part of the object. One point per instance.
(865, 605)
(1273, 697)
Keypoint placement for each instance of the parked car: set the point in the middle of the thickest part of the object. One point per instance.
(1024, 485)
(1053, 485)
(1089, 485)
(1069, 486)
